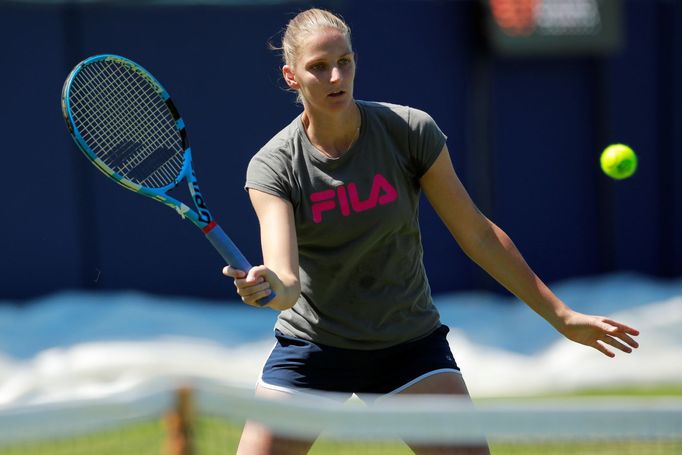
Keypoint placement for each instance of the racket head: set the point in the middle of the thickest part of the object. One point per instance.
(124, 121)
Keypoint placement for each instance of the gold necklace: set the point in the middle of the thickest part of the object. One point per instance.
(319, 148)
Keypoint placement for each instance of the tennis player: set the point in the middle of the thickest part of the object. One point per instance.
(336, 193)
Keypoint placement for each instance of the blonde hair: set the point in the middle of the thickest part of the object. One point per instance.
(304, 24)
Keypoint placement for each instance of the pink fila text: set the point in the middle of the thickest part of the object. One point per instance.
(345, 198)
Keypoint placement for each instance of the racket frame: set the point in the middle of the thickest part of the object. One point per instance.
(201, 217)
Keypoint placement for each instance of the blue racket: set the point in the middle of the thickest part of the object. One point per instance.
(124, 121)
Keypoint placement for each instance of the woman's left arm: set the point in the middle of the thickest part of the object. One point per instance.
(489, 247)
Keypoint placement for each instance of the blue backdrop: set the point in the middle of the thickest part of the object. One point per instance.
(525, 134)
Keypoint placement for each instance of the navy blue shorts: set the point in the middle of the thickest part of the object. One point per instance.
(301, 365)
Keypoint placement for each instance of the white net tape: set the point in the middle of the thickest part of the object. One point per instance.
(421, 419)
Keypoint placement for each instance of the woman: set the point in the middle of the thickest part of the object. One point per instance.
(336, 193)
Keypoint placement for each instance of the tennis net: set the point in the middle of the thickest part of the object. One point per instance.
(207, 418)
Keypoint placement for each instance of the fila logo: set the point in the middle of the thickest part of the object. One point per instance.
(347, 199)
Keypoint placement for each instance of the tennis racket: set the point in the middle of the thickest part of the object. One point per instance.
(124, 121)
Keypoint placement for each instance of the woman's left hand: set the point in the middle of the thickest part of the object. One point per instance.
(599, 332)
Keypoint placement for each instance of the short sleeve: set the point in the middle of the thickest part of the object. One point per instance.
(426, 140)
(267, 172)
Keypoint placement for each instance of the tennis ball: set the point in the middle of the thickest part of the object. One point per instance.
(618, 161)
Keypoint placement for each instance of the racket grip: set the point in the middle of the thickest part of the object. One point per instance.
(230, 253)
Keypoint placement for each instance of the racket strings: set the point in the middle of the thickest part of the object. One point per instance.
(127, 120)
(132, 160)
(101, 105)
(129, 155)
(143, 164)
(127, 124)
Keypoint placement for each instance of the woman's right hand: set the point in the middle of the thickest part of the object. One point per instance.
(280, 253)
(252, 286)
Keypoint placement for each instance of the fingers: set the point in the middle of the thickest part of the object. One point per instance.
(601, 348)
(252, 291)
(621, 331)
(251, 286)
(620, 327)
(627, 339)
(616, 344)
(617, 335)
(230, 271)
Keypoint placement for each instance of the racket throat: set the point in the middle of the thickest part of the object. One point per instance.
(203, 215)
(209, 227)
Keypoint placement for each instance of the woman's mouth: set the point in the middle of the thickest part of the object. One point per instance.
(335, 94)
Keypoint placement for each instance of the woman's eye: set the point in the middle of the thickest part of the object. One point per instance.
(318, 67)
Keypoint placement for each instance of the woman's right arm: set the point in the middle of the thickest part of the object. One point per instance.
(280, 255)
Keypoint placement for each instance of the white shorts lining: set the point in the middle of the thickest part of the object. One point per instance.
(419, 378)
(317, 394)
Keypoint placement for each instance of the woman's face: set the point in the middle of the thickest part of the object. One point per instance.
(324, 71)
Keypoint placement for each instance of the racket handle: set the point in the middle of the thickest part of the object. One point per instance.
(229, 251)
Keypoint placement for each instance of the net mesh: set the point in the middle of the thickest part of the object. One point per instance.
(126, 122)
(208, 419)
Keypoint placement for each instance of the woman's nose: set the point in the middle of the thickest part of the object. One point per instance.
(336, 74)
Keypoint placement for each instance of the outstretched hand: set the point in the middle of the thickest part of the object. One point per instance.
(600, 332)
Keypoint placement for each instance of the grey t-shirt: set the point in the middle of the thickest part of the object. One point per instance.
(363, 283)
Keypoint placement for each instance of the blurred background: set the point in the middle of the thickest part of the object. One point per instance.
(108, 300)
(101, 289)
(527, 108)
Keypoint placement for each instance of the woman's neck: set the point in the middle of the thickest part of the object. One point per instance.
(333, 135)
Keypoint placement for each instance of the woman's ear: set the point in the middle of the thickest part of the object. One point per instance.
(289, 77)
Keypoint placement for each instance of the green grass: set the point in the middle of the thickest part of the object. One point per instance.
(668, 390)
(139, 438)
(673, 390)
(590, 448)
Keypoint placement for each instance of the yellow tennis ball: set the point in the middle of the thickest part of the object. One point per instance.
(618, 161)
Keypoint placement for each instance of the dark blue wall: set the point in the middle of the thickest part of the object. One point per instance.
(525, 135)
